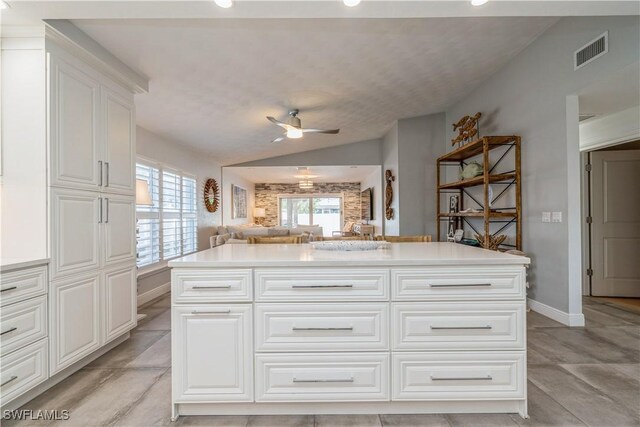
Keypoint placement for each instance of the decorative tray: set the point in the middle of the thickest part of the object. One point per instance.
(349, 245)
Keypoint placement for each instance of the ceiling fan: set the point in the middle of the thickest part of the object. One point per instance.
(294, 128)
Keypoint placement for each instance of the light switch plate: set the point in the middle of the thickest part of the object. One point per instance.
(556, 216)
(546, 216)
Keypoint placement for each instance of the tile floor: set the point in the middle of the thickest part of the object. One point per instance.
(577, 376)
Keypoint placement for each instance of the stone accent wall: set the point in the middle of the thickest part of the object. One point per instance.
(266, 196)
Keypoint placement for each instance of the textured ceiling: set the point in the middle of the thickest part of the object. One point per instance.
(285, 174)
(212, 82)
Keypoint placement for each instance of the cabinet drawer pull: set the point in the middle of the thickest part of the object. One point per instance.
(212, 312)
(461, 327)
(320, 380)
(10, 380)
(459, 285)
(8, 330)
(320, 286)
(106, 200)
(212, 287)
(99, 210)
(100, 164)
(106, 164)
(488, 377)
(8, 289)
(346, 328)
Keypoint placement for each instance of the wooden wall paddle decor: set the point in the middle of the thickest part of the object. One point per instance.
(389, 178)
(211, 195)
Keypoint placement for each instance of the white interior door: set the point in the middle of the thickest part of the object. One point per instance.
(615, 230)
(119, 134)
(75, 150)
(119, 301)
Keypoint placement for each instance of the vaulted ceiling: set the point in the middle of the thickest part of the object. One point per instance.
(213, 81)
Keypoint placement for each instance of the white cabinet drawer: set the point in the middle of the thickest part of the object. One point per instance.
(459, 326)
(22, 284)
(322, 327)
(322, 377)
(458, 283)
(198, 286)
(477, 375)
(23, 323)
(322, 284)
(22, 370)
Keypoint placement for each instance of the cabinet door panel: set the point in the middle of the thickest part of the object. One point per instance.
(119, 299)
(119, 140)
(75, 152)
(75, 230)
(75, 320)
(119, 216)
(213, 353)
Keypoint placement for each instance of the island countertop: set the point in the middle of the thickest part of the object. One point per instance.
(397, 254)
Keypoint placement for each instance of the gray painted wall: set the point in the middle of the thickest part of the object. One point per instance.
(530, 97)
(420, 144)
(357, 153)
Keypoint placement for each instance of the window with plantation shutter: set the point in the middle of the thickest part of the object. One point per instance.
(169, 227)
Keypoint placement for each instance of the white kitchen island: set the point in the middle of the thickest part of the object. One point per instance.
(286, 329)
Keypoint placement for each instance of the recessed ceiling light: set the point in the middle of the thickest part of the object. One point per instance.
(351, 3)
(478, 2)
(4, 5)
(224, 3)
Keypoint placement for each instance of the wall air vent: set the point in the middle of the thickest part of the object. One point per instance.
(591, 51)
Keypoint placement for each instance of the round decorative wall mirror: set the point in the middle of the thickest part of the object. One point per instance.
(211, 195)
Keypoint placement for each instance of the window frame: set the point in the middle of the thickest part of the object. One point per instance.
(311, 196)
(162, 167)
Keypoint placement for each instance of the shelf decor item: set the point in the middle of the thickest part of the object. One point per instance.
(495, 220)
(388, 199)
(467, 128)
(211, 194)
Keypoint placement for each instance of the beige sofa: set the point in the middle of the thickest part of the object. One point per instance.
(238, 234)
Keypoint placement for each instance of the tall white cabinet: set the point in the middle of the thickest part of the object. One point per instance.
(92, 192)
(70, 141)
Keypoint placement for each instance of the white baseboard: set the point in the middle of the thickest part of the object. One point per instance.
(153, 293)
(555, 314)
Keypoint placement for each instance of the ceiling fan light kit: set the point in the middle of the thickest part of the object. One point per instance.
(351, 3)
(226, 4)
(478, 2)
(293, 127)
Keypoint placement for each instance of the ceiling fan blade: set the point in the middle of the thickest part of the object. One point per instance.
(330, 131)
(279, 123)
(279, 139)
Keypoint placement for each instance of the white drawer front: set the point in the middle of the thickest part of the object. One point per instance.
(458, 283)
(197, 286)
(322, 377)
(459, 326)
(23, 323)
(23, 284)
(22, 370)
(322, 284)
(322, 327)
(478, 375)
